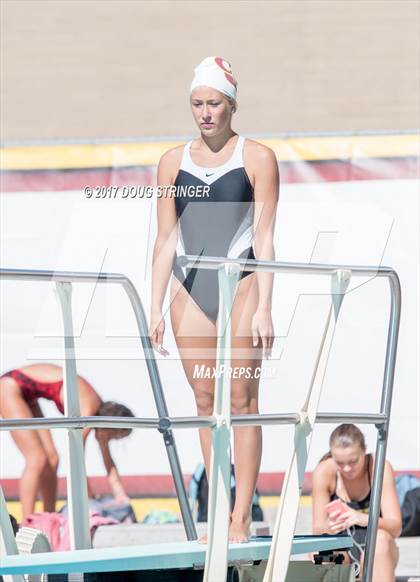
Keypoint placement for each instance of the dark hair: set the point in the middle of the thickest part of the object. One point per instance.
(111, 408)
(345, 435)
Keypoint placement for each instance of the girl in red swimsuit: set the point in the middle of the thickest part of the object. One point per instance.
(20, 390)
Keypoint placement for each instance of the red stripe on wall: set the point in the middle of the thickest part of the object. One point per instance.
(162, 485)
(65, 180)
(290, 173)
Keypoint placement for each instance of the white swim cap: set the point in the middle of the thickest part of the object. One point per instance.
(215, 72)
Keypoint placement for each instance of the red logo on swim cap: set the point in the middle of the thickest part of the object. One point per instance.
(230, 79)
(227, 70)
(223, 64)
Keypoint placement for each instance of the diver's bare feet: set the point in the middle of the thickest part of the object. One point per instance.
(239, 530)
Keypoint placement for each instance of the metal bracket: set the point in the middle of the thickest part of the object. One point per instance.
(164, 424)
(382, 431)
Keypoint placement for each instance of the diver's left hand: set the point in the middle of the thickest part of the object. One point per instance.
(262, 327)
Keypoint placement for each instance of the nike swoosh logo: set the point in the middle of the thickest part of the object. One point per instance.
(208, 175)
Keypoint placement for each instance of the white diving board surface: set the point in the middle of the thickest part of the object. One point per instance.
(163, 556)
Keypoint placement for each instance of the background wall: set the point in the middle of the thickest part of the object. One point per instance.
(354, 221)
(98, 69)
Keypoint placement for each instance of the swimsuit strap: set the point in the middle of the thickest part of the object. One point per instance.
(16, 374)
(237, 157)
(185, 160)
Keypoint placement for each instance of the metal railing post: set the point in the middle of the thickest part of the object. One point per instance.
(77, 476)
(8, 545)
(163, 425)
(219, 479)
(77, 496)
(284, 528)
(162, 411)
(383, 429)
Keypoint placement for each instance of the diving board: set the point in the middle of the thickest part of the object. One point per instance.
(157, 556)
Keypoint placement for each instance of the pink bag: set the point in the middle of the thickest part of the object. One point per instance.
(56, 527)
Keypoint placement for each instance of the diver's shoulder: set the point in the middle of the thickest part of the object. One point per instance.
(170, 162)
(258, 151)
(326, 467)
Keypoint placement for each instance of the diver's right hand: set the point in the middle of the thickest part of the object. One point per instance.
(156, 331)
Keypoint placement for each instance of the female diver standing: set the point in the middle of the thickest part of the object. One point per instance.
(236, 219)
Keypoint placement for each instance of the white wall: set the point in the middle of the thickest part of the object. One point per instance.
(365, 222)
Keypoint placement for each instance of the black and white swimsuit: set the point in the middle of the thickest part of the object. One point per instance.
(217, 225)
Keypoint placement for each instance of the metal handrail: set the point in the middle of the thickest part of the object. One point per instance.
(381, 421)
(179, 422)
(202, 262)
(67, 277)
(165, 424)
